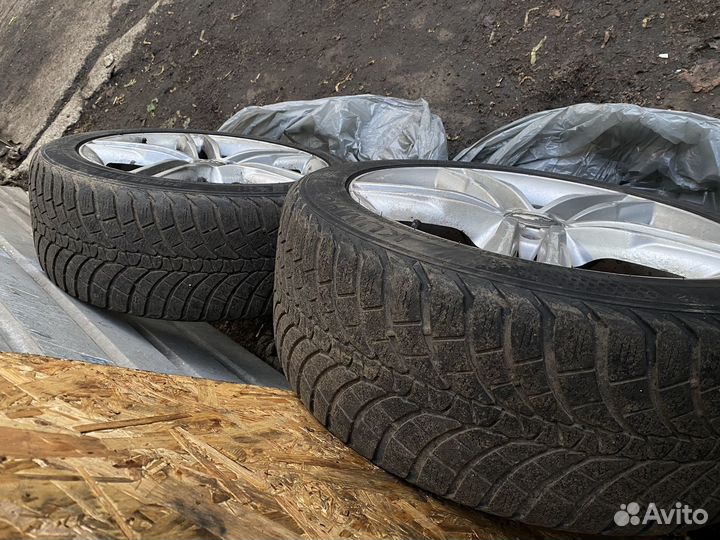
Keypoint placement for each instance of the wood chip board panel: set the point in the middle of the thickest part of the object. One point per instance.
(100, 451)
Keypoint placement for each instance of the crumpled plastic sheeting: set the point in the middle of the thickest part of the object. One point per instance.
(675, 154)
(353, 128)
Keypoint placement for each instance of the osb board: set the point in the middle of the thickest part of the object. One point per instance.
(96, 451)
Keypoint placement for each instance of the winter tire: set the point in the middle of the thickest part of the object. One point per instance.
(174, 224)
(548, 394)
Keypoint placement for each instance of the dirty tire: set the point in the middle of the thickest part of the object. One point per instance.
(149, 246)
(540, 393)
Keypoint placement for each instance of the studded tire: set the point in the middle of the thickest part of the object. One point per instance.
(544, 394)
(149, 246)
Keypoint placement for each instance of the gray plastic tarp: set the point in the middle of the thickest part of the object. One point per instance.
(676, 154)
(353, 128)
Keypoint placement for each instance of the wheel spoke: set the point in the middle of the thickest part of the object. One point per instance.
(481, 187)
(644, 245)
(259, 170)
(158, 168)
(187, 145)
(220, 173)
(255, 155)
(625, 211)
(130, 153)
(313, 164)
(88, 153)
(181, 142)
(476, 218)
(498, 193)
(503, 239)
(283, 159)
(189, 172)
(210, 147)
(568, 206)
(428, 193)
(553, 248)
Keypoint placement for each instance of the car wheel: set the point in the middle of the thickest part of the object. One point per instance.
(165, 224)
(529, 345)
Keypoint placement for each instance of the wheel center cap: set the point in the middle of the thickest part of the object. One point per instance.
(533, 219)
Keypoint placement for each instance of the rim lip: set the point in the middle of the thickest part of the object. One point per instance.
(277, 144)
(397, 233)
(642, 194)
(57, 152)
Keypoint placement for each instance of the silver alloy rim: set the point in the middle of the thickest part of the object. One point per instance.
(546, 220)
(198, 157)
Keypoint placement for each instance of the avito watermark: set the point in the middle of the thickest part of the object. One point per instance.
(679, 514)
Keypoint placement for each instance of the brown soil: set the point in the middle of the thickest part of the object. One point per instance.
(202, 61)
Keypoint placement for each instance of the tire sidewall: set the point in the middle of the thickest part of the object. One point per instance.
(326, 192)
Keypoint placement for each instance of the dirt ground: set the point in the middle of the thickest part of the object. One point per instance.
(199, 62)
